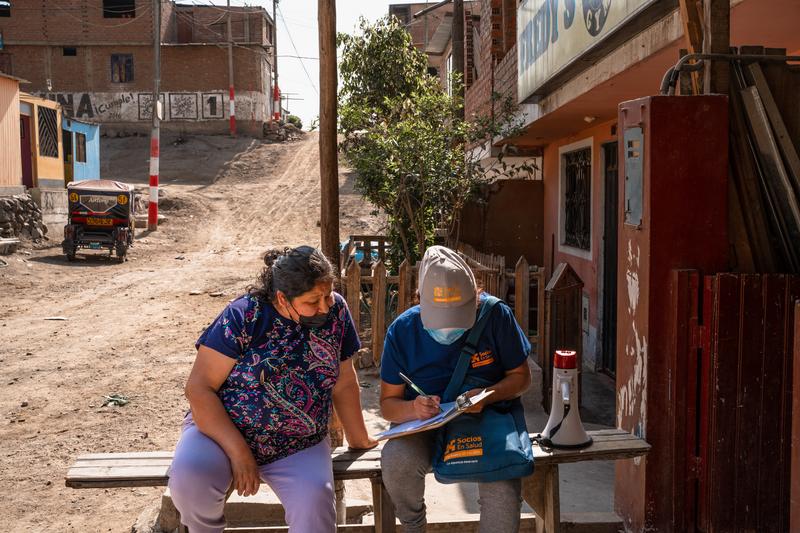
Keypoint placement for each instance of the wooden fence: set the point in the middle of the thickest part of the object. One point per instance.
(376, 298)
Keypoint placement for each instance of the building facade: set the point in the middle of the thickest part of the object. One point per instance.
(574, 67)
(96, 59)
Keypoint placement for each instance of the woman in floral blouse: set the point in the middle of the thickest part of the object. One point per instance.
(268, 372)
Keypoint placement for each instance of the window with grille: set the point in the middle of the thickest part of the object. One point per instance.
(115, 9)
(48, 132)
(80, 148)
(577, 198)
(121, 68)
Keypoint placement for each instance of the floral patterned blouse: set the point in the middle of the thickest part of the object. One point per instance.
(279, 393)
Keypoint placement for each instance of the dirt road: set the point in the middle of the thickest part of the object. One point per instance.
(130, 327)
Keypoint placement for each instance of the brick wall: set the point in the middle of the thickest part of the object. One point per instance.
(209, 25)
(492, 55)
(74, 22)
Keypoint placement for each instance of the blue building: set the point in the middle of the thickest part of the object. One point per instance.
(81, 150)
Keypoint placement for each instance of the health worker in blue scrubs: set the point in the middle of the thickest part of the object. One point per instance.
(424, 343)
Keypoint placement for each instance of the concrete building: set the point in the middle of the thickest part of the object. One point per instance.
(10, 135)
(96, 59)
(432, 33)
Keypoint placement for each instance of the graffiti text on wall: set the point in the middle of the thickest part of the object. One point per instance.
(137, 107)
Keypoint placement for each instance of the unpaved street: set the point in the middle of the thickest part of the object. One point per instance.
(130, 327)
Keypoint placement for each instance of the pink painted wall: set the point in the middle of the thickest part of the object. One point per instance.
(588, 268)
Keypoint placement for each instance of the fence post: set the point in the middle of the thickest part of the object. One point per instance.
(353, 291)
(522, 294)
(404, 287)
(378, 310)
(540, 314)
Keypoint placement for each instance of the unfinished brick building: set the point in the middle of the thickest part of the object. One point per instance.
(96, 58)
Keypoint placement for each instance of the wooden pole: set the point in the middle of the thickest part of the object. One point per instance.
(329, 180)
(458, 47)
(717, 40)
(328, 157)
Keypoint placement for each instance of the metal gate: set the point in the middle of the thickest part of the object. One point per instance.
(738, 334)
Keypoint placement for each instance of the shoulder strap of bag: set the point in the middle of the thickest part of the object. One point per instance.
(469, 349)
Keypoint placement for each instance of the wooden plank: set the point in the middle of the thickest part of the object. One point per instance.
(103, 483)
(378, 311)
(795, 426)
(745, 179)
(772, 438)
(748, 400)
(552, 501)
(118, 472)
(717, 40)
(382, 507)
(693, 34)
(353, 292)
(540, 327)
(533, 494)
(522, 280)
(404, 283)
(725, 372)
(126, 455)
(782, 136)
(786, 451)
(775, 173)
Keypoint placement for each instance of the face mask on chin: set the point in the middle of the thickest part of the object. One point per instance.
(446, 336)
(313, 321)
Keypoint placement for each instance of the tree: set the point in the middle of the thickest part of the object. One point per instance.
(403, 137)
(295, 121)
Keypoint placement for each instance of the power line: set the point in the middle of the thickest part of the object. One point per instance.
(302, 64)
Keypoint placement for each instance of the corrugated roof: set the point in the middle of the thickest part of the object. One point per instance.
(9, 76)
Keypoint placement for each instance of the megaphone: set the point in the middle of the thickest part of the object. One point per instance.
(564, 428)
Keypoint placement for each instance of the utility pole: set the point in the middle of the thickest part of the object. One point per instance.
(230, 73)
(155, 134)
(329, 164)
(276, 91)
(458, 48)
(329, 178)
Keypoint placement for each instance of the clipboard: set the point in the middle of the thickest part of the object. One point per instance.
(450, 410)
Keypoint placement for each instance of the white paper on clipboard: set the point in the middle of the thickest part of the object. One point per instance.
(450, 410)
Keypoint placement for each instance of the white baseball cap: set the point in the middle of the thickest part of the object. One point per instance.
(447, 290)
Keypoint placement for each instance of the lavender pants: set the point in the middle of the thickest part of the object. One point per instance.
(200, 476)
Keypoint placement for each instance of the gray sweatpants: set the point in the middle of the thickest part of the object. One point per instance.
(406, 460)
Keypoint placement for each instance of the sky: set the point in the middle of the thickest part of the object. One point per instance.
(297, 23)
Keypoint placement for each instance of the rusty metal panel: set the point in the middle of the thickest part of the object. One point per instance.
(685, 168)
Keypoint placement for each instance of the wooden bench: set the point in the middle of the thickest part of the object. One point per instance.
(540, 491)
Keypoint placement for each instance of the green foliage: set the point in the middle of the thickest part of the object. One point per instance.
(295, 121)
(403, 136)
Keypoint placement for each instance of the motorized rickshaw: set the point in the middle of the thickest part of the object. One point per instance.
(101, 217)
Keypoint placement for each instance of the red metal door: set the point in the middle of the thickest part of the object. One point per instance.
(25, 150)
(745, 409)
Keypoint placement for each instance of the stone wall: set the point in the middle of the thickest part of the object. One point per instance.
(21, 217)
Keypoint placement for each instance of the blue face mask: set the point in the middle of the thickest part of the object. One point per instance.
(446, 335)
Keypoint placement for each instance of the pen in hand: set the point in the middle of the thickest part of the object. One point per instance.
(416, 388)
